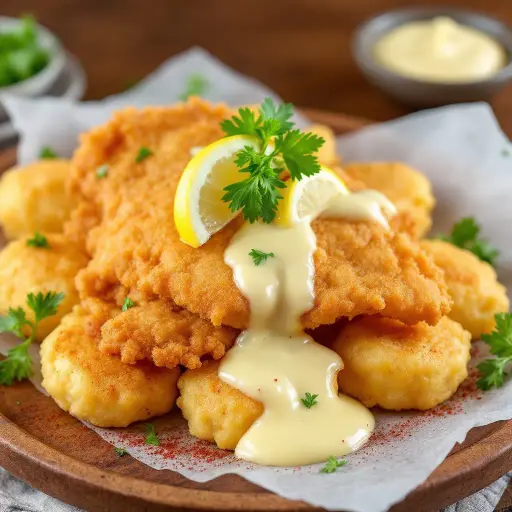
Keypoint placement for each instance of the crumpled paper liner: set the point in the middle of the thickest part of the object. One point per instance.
(461, 149)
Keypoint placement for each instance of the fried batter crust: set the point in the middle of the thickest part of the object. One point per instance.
(360, 268)
(165, 334)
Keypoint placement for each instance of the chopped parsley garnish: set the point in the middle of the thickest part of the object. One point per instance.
(151, 437)
(196, 85)
(47, 153)
(21, 55)
(465, 235)
(333, 464)
(143, 153)
(102, 171)
(259, 257)
(120, 452)
(127, 304)
(280, 147)
(18, 365)
(309, 400)
(38, 240)
(493, 370)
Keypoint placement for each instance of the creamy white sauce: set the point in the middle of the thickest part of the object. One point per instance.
(275, 362)
(440, 50)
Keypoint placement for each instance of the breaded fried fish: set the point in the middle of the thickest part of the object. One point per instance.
(360, 267)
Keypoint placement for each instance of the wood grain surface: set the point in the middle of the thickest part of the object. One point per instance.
(300, 48)
(54, 452)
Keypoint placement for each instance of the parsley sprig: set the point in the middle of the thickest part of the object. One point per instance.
(120, 452)
(465, 235)
(259, 257)
(493, 370)
(309, 400)
(127, 304)
(332, 464)
(280, 147)
(47, 153)
(18, 364)
(151, 437)
(196, 85)
(38, 240)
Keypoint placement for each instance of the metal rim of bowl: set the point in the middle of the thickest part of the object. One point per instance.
(361, 47)
(50, 72)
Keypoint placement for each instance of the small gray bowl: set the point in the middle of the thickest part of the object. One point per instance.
(418, 93)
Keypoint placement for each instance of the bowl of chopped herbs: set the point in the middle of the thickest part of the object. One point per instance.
(31, 57)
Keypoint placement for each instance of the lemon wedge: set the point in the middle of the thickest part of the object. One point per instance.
(199, 211)
(309, 197)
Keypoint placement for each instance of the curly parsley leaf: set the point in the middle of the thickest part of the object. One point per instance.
(143, 153)
(38, 240)
(127, 304)
(493, 371)
(120, 452)
(102, 171)
(258, 195)
(151, 437)
(196, 85)
(259, 257)
(14, 322)
(465, 235)
(309, 400)
(17, 366)
(332, 465)
(44, 305)
(47, 153)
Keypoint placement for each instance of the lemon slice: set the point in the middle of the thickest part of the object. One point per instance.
(199, 211)
(309, 197)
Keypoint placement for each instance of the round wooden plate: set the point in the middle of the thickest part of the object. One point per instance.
(54, 452)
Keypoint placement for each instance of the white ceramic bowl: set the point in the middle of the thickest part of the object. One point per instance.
(41, 82)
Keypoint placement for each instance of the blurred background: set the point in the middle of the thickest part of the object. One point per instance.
(300, 48)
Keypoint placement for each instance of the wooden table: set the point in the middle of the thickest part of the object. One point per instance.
(300, 48)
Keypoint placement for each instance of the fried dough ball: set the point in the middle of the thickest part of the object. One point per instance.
(99, 388)
(472, 284)
(397, 366)
(215, 411)
(34, 198)
(327, 152)
(25, 270)
(408, 189)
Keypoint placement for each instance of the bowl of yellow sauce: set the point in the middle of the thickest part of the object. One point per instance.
(428, 57)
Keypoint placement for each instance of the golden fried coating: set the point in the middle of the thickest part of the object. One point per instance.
(473, 285)
(165, 334)
(407, 188)
(25, 270)
(397, 366)
(327, 153)
(34, 198)
(99, 388)
(215, 411)
(360, 267)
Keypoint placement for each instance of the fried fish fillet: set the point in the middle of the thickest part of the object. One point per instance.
(99, 388)
(473, 285)
(397, 366)
(408, 189)
(360, 267)
(165, 334)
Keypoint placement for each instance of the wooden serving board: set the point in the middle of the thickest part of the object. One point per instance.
(54, 452)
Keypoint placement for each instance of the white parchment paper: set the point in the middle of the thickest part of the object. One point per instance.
(465, 154)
